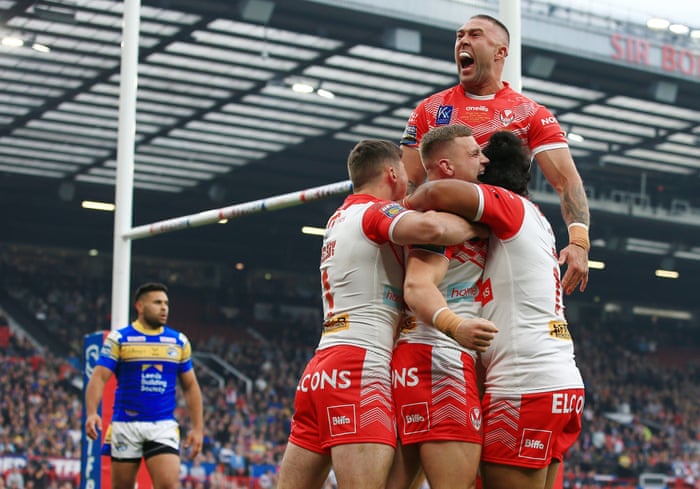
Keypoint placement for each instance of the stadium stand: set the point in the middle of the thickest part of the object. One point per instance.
(642, 378)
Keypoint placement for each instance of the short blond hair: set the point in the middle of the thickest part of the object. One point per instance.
(437, 138)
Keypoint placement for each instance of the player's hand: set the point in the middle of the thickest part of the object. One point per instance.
(194, 442)
(93, 425)
(475, 333)
(576, 259)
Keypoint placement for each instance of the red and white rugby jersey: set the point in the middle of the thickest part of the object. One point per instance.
(504, 110)
(362, 275)
(460, 287)
(522, 294)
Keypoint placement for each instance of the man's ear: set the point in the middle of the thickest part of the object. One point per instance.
(502, 52)
(446, 167)
(392, 174)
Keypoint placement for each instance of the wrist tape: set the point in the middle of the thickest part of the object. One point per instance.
(578, 235)
(446, 321)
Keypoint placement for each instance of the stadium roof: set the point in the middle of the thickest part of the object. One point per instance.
(219, 121)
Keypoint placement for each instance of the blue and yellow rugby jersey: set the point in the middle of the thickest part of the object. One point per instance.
(146, 364)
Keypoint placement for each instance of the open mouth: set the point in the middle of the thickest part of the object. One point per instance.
(465, 59)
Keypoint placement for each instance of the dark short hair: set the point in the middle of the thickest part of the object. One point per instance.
(495, 22)
(509, 162)
(367, 159)
(149, 287)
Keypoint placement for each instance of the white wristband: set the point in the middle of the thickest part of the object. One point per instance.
(579, 224)
(437, 313)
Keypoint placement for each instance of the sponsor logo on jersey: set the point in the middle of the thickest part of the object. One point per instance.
(328, 250)
(567, 403)
(559, 330)
(416, 418)
(167, 339)
(443, 115)
(392, 297)
(392, 210)
(135, 338)
(153, 381)
(322, 380)
(156, 366)
(342, 420)
(339, 322)
(406, 377)
(107, 349)
(506, 117)
(409, 134)
(545, 121)
(535, 444)
(152, 351)
(408, 324)
(462, 291)
(485, 292)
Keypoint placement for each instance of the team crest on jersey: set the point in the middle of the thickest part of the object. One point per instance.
(392, 210)
(475, 418)
(507, 117)
(444, 115)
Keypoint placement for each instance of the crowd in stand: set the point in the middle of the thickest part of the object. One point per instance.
(642, 409)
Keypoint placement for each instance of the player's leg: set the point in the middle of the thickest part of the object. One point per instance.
(161, 450)
(364, 465)
(164, 469)
(544, 433)
(405, 469)
(302, 468)
(553, 474)
(124, 473)
(499, 476)
(126, 451)
(450, 464)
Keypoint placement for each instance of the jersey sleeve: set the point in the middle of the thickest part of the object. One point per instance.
(379, 220)
(500, 209)
(110, 352)
(416, 126)
(186, 359)
(545, 132)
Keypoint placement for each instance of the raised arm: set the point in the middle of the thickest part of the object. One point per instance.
(558, 167)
